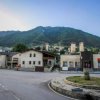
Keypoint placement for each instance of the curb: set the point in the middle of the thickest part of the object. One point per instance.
(59, 93)
(59, 89)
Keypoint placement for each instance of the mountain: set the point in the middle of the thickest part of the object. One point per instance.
(4, 33)
(52, 35)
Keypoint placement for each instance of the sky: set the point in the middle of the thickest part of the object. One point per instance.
(24, 15)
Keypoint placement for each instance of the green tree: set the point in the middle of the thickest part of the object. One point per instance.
(62, 52)
(20, 48)
(38, 48)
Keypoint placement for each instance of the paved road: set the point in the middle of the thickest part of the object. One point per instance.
(17, 85)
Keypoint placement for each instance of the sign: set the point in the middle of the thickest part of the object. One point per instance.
(77, 90)
(64, 68)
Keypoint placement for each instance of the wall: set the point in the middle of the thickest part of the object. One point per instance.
(95, 61)
(26, 57)
(2, 61)
(68, 58)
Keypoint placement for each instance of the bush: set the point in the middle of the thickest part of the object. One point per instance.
(86, 75)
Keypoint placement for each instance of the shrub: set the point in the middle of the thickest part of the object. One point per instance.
(86, 75)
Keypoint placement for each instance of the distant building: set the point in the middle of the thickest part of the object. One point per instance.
(46, 46)
(81, 46)
(2, 61)
(73, 48)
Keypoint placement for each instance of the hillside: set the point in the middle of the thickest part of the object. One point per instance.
(39, 35)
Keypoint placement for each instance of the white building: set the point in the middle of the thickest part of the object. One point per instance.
(96, 61)
(47, 46)
(67, 61)
(73, 47)
(2, 61)
(36, 60)
(81, 46)
(31, 59)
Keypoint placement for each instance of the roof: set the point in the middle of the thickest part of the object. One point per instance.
(43, 52)
(10, 54)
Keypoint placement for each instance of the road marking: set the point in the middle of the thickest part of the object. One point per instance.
(59, 93)
(17, 98)
(5, 88)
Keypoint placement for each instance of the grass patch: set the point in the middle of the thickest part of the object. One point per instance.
(82, 81)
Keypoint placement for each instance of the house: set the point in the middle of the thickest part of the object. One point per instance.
(69, 61)
(96, 61)
(31, 59)
(36, 60)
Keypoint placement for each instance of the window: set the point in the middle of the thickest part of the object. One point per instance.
(33, 62)
(65, 64)
(77, 64)
(39, 62)
(71, 64)
(23, 62)
(29, 62)
(34, 55)
(30, 55)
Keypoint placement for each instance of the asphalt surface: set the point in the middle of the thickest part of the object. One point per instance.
(17, 85)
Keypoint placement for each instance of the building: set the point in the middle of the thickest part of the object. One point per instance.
(36, 60)
(46, 46)
(87, 60)
(10, 62)
(2, 60)
(73, 48)
(96, 61)
(69, 61)
(84, 61)
(81, 46)
(15, 60)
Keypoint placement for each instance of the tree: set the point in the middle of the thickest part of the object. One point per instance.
(20, 48)
(62, 52)
(38, 48)
(86, 75)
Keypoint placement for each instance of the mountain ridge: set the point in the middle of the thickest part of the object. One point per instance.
(52, 35)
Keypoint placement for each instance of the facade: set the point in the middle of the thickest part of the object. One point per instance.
(2, 61)
(69, 61)
(73, 48)
(36, 60)
(10, 61)
(48, 59)
(15, 59)
(87, 60)
(31, 59)
(81, 46)
(96, 61)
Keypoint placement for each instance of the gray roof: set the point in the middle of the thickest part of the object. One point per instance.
(10, 54)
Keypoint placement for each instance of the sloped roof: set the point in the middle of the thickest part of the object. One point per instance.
(10, 54)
